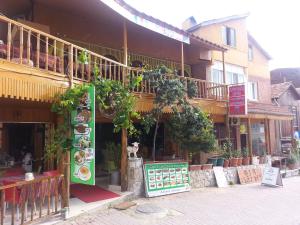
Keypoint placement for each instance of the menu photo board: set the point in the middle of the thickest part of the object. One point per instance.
(83, 140)
(249, 175)
(166, 178)
(237, 100)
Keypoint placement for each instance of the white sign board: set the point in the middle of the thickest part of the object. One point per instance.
(220, 176)
(272, 177)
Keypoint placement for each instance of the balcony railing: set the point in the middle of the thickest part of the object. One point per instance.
(28, 46)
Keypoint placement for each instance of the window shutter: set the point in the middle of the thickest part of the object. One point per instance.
(232, 37)
(224, 37)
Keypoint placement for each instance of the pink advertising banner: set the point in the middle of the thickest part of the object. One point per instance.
(237, 100)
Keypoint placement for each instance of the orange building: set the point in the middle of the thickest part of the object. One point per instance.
(246, 62)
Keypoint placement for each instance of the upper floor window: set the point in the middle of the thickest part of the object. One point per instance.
(250, 53)
(229, 36)
(217, 76)
(252, 91)
(234, 74)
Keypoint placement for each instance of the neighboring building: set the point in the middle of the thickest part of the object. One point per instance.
(282, 75)
(245, 62)
(285, 94)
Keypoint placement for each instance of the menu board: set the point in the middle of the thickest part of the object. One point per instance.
(249, 175)
(83, 140)
(272, 177)
(166, 178)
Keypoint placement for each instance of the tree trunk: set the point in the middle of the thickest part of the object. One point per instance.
(154, 139)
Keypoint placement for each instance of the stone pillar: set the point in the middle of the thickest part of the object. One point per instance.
(136, 176)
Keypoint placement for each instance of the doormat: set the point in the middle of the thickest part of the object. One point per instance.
(89, 193)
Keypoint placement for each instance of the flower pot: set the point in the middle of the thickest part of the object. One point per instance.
(226, 163)
(115, 177)
(255, 160)
(239, 162)
(207, 166)
(220, 162)
(262, 159)
(246, 161)
(233, 162)
(195, 167)
(212, 161)
(292, 166)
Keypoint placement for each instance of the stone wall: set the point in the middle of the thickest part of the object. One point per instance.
(206, 178)
(135, 176)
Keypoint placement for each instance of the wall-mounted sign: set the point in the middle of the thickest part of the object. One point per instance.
(237, 100)
(83, 140)
(166, 178)
(272, 177)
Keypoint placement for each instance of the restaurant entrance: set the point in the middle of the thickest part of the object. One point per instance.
(20, 140)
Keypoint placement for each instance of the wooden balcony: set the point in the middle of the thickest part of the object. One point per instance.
(35, 66)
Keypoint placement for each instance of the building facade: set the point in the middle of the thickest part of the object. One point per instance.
(245, 62)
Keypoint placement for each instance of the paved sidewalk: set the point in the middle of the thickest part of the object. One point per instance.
(238, 205)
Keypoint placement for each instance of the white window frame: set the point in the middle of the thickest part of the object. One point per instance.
(252, 91)
(228, 36)
(231, 71)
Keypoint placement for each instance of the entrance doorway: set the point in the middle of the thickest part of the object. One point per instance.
(17, 139)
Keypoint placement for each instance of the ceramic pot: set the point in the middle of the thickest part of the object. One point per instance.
(233, 162)
(226, 163)
(207, 166)
(246, 161)
(239, 162)
(220, 162)
(212, 161)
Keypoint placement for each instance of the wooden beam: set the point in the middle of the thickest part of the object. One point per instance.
(125, 60)
(223, 63)
(124, 161)
(249, 137)
(267, 136)
(70, 58)
(182, 60)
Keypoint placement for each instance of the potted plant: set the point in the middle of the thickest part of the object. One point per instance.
(113, 161)
(292, 161)
(245, 154)
(226, 156)
(207, 166)
(262, 157)
(234, 160)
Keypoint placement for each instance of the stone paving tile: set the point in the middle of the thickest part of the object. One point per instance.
(238, 205)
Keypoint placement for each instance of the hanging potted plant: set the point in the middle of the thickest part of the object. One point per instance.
(245, 154)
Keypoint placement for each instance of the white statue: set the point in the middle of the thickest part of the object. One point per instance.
(133, 149)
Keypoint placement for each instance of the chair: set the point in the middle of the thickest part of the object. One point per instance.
(9, 193)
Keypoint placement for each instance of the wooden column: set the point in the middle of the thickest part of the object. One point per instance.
(182, 60)
(266, 121)
(227, 108)
(224, 71)
(125, 60)
(249, 141)
(70, 58)
(238, 137)
(124, 161)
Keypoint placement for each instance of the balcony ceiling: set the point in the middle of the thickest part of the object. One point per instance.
(15, 7)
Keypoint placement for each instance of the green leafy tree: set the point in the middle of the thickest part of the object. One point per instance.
(191, 129)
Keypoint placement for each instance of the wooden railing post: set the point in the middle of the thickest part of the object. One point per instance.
(21, 44)
(28, 46)
(70, 66)
(8, 40)
(47, 52)
(38, 44)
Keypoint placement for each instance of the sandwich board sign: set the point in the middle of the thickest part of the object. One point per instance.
(272, 177)
(220, 176)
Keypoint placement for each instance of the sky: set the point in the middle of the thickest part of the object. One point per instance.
(275, 24)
